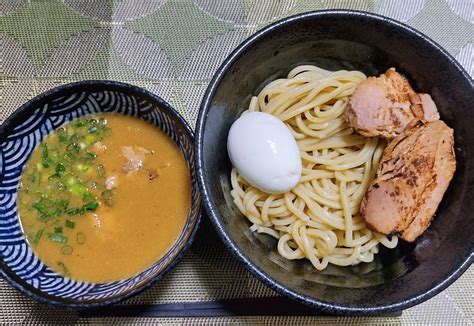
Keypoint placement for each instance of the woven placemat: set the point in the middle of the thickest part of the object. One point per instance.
(172, 48)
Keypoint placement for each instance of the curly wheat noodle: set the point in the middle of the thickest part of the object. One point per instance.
(318, 219)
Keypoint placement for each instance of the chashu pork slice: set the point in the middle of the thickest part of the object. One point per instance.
(384, 106)
(412, 177)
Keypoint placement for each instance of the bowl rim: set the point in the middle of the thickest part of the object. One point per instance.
(5, 128)
(212, 210)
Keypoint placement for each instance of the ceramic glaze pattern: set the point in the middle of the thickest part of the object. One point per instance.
(15, 150)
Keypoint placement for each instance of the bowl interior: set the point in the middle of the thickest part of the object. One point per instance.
(343, 40)
(20, 135)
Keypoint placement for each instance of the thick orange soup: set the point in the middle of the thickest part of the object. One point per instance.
(104, 197)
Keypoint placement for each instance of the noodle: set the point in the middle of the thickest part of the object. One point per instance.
(318, 219)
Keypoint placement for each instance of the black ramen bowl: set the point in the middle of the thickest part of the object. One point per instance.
(398, 278)
(19, 136)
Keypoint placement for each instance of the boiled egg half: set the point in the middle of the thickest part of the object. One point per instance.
(264, 152)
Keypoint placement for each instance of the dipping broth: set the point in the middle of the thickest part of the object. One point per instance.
(104, 197)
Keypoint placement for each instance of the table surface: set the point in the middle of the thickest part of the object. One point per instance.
(172, 48)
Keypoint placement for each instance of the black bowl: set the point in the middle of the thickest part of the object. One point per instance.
(341, 39)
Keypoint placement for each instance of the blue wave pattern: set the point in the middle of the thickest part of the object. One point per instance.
(17, 148)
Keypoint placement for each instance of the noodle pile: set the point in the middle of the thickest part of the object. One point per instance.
(318, 219)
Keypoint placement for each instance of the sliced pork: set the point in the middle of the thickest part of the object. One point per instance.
(384, 106)
(412, 177)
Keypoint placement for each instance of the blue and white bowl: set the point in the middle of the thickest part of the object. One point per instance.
(19, 136)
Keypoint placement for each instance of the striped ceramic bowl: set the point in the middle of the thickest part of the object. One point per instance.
(19, 136)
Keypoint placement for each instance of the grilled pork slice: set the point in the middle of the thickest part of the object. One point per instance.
(423, 107)
(412, 177)
(384, 106)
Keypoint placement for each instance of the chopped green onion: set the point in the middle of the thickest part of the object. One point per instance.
(63, 138)
(73, 148)
(58, 230)
(74, 138)
(90, 155)
(70, 156)
(60, 168)
(78, 189)
(73, 211)
(63, 267)
(53, 176)
(81, 123)
(58, 212)
(103, 121)
(81, 238)
(101, 170)
(70, 224)
(46, 160)
(54, 155)
(67, 250)
(45, 152)
(46, 202)
(41, 208)
(90, 139)
(93, 121)
(88, 197)
(37, 237)
(44, 217)
(62, 203)
(91, 206)
(107, 196)
(92, 129)
(71, 180)
(57, 238)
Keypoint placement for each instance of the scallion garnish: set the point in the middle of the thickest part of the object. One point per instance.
(62, 138)
(70, 224)
(67, 250)
(63, 267)
(62, 203)
(47, 202)
(68, 188)
(57, 238)
(91, 206)
(60, 168)
(87, 197)
(37, 237)
(81, 238)
(58, 212)
(53, 176)
(90, 155)
(41, 208)
(107, 197)
(81, 124)
(90, 139)
(100, 170)
(46, 160)
(78, 189)
(73, 211)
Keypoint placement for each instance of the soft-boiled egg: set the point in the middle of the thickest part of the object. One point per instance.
(264, 152)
